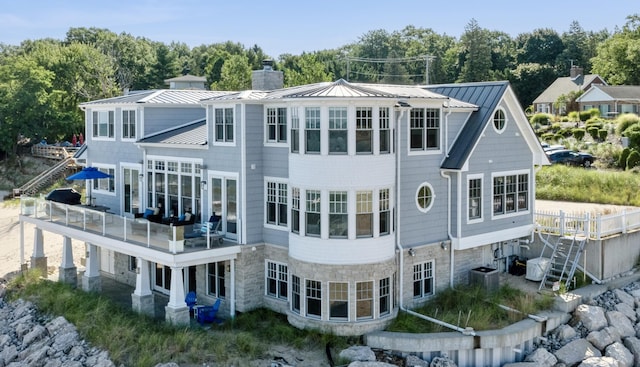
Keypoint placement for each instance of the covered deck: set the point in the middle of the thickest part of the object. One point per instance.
(150, 243)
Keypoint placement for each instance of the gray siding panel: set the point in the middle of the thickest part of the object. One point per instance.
(254, 181)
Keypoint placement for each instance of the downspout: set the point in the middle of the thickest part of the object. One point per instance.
(448, 177)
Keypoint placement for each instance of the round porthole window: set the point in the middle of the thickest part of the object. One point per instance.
(424, 197)
(499, 120)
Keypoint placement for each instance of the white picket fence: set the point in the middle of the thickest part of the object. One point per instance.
(594, 227)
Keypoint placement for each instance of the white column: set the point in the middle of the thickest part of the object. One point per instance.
(232, 289)
(176, 293)
(93, 264)
(38, 243)
(67, 253)
(143, 284)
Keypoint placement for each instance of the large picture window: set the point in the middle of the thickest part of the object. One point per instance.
(423, 279)
(102, 123)
(510, 193)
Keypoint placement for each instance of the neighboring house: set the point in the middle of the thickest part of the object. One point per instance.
(340, 203)
(576, 82)
(611, 100)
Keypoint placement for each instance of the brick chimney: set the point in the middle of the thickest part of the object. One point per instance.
(575, 71)
(267, 78)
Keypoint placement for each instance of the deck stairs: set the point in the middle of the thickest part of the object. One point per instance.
(45, 178)
(564, 260)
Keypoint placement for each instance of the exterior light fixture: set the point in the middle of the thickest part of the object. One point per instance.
(412, 252)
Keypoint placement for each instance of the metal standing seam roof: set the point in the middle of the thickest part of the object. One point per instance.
(194, 133)
(486, 96)
(162, 96)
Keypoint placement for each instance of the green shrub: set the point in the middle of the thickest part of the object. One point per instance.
(558, 137)
(622, 160)
(633, 160)
(574, 116)
(594, 122)
(556, 126)
(594, 112)
(602, 134)
(624, 121)
(541, 119)
(585, 115)
(548, 137)
(578, 133)
(593, 131)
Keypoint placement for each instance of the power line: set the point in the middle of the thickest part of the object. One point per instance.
(425, 58)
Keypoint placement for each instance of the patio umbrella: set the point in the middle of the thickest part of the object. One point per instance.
(88, 174)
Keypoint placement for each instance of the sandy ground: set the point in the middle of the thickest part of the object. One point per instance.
(10, 244)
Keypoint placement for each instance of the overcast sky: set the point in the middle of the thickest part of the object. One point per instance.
(293, 27)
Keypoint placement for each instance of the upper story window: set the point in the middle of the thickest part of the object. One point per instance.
(425, 129)
(223, 121)
(312, 214)
(277, 125)
(128, 124)
(364, 130)
(103, 122)
(312, 129)
(295, 131)
(338, 136)
(385, 212)
(338, 214)
(385, 130)
(364, 214)
(499, 120)
(510, 193)
(295, 210)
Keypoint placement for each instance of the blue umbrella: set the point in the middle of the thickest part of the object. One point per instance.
(88, 173)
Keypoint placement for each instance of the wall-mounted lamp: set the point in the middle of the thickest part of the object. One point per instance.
(140, 176)
(203, 184)
(412, 252)
(443, 244)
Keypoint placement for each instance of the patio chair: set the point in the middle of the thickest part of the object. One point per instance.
(207, 314)
(191, 300)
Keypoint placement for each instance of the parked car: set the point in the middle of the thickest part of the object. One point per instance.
(551, 148)
(571, 158)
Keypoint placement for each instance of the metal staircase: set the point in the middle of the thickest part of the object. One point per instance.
(45, 178)
(564, 260)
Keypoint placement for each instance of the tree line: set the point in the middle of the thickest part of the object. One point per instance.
(43, 81)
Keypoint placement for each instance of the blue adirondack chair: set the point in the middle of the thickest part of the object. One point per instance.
(208, 313)
(190, 300)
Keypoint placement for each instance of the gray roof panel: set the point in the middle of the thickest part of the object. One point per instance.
(194, 133)
(485, 95)
(162, 96)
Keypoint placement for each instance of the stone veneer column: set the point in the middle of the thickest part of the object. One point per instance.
(142, 297)
(38, 260)
(176, 311)
(67, 272)
(91, 279)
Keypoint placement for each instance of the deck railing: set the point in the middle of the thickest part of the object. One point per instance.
(592, 226)
(97, 220)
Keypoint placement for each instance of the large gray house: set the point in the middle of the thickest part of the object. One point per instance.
(339, 203)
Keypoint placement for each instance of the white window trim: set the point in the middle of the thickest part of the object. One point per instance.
(433, 271)
(424, 151)
(482, 198)
(276, 143)
(433, 197)
(516, 213)
(277, 180)
(374, 303)
(266, 280)
(235, 126)
(116, 120)
(135, 124)
(506, 120)
(115, 185)
(339, 319)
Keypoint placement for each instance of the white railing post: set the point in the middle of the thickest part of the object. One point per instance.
(561, 223)
(624, 220)
(587, 225)
(599, 224)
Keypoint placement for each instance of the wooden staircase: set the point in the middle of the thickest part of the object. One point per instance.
(45, 178)
(564, 260)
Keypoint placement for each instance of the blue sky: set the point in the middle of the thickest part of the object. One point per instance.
(296, 26)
